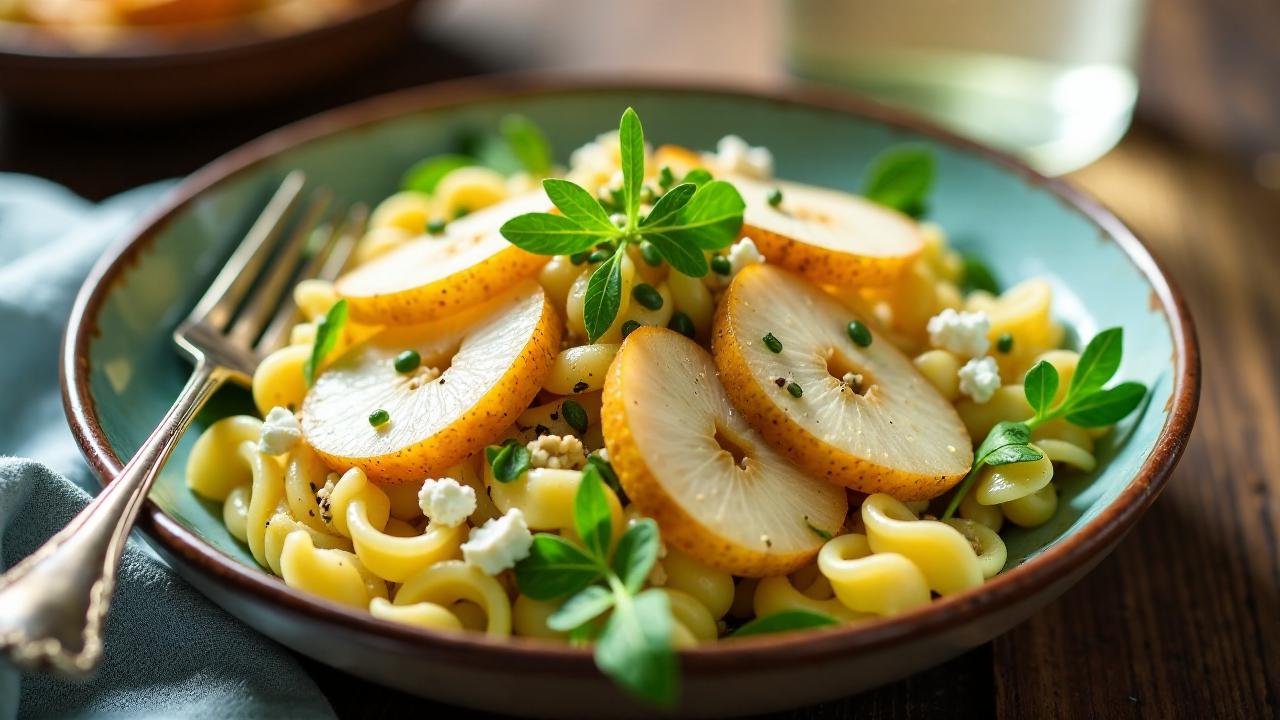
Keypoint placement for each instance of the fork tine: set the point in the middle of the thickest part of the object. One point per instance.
(229, 287)
(267, 290)
(326, 264)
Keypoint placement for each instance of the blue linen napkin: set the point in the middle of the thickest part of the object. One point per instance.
(170, 652)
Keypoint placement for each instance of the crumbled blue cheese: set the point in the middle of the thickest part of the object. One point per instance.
(980, 378)
(446, 501)
(557, 452)
(280, 432)
(734, 156)
(499, 544)
(963, 333)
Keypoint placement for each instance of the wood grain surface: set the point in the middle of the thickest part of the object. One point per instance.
(1184, 619)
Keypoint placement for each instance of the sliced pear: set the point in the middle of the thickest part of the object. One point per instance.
(493, 359)
(691, 462)
(888, 430)
(828, 236)
(433, 277)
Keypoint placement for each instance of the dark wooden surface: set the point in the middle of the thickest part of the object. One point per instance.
(1184, 619)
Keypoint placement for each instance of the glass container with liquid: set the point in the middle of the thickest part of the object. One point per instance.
(1052, 81)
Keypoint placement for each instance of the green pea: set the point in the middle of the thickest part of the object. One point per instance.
(859, 333)
(629, 327)
(720, 265)
(795, 389)
(681, 323)
(650, 253)
(647, 295)
(772, 342)
(1005, 343)
(379, 417)
(775, 197)
(436, 227)
(407, 361)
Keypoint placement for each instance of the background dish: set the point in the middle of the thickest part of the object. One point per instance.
(146, 73)
(120, 375)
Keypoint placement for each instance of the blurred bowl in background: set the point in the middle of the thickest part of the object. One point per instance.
(166, 69)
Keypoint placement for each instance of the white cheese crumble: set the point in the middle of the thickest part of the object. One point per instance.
(499, 544)
(734, 156)
(963, 333)
(980, 378)
(556, 452)
(743, 253)
(446, 501)
(280, 432)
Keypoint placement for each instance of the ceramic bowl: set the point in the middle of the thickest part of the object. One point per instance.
(144, 75)
(120, 375)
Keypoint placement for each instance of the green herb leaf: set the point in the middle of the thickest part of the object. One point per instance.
(574, 415)
(977, 276)
(547, 234)
(698, 177)
(784, 621)
(1107, 407)
(900, 178)
(1010, 454)
(327, 332)
(1004, 433)
(579, 206)
(608, 475)
(1040, 385)
(425, 175)
(591, 517)
(635, 649)
(636, 553)
(555, 568)
(528, 144)
(603, 298)
(582, 607)
(1098, 364)
(664, 211)
(510, 462)
(711, 220)
(684, 258)
(631, 141)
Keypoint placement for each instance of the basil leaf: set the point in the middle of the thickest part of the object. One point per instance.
(328, 329)
(1098, 364)
(603, 298)
(1109, 406)
(697, 177)
(1004, 433)
(423, 176)
(547, 234)
(1010, 454)
(575, 416)
(711, 220)
(578, 205)
(631, 141)
(636, 553)
(783, 622)
(1040, 385)
(582, 607)
(684, 258)
(664, 211)
(591, 517)
(635, 649)
(510, 462)
(977, 276)
(555, 568)
(900, 178)
(528, 144)
(608, 475)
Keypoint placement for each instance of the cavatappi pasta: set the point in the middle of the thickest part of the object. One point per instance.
(429, 541)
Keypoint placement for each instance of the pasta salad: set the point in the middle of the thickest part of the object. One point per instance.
(654, 399)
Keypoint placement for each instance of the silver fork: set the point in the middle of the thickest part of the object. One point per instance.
(54, 602)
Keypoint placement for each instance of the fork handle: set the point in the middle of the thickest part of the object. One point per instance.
(54, 602)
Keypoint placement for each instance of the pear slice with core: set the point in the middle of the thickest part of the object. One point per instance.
(479, 370)
(690, 461)
(862, 417)
(434, 276)
(829, 236)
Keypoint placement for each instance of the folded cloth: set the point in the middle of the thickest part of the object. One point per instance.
(170, 653)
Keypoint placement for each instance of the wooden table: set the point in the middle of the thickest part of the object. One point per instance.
(1184, 619)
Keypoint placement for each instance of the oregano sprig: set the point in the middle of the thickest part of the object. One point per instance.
(1085, 403)
(697, 215)
(633, 644)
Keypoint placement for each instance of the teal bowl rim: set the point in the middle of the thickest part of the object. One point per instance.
(1078, 551)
